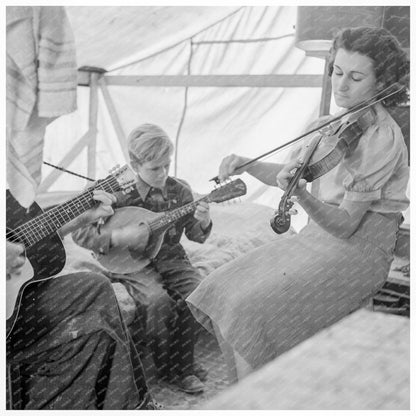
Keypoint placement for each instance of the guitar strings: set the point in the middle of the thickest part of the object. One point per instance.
(32, 227)
(30, 232)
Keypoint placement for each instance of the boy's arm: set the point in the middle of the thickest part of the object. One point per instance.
(198, 226)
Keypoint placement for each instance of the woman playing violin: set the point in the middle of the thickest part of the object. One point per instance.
(271, 299)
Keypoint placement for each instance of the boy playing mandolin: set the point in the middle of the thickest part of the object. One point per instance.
(169, 277)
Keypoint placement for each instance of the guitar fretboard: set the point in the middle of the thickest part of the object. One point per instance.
(176, 214)
(52, 220)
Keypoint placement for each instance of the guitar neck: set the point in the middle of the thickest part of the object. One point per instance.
(175, 215)
(52, 220)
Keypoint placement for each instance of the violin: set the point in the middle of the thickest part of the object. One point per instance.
(340, 135)
(321, 156)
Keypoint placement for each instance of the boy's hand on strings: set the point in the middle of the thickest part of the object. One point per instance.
(202, 214)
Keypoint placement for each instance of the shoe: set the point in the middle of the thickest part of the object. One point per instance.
(149, 404)
(153, 405)
(200, 372)
(190, 384)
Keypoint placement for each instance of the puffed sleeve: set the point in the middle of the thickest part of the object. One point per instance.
(374, 162)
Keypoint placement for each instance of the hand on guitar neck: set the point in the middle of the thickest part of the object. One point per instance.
(101, 210)
(40, 234)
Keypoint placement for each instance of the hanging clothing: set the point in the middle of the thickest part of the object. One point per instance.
(41, 82)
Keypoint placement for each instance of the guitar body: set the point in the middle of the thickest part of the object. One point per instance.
(43, 259)
(37, 231)
(122, 260)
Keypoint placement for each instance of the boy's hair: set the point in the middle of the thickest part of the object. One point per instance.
(148, 142)
(391, 63)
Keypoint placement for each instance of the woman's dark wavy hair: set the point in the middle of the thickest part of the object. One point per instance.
(391, 63)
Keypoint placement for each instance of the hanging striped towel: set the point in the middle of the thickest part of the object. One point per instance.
(41, 81)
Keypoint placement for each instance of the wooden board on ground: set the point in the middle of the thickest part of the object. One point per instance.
(361, 363)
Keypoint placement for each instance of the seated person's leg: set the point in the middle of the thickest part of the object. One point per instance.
(153, 318)
(71, 343)
(237, 366)
(179, 283)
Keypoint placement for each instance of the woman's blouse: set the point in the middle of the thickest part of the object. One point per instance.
(377, 170)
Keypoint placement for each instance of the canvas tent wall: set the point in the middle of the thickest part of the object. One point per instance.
(219, 80)
(261, 91)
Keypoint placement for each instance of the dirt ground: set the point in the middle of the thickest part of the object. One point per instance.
(209, 356)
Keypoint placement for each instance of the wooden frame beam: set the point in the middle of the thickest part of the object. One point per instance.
(92, 124)
(114, 117)
(259, 81)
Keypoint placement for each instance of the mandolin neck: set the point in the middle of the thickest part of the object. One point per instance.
(175, 215)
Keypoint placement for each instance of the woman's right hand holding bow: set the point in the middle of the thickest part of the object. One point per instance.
(229, 166)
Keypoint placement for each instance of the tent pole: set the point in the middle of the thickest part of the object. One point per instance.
(323, 110)
(326, 91)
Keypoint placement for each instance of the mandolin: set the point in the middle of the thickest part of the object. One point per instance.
(154, 225)
(37, 232)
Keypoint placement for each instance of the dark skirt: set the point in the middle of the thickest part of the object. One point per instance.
(72, 347)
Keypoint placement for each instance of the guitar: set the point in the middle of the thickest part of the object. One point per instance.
(37, 232)
(155, 224)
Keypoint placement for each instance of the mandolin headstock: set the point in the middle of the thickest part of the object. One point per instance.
(230, 190)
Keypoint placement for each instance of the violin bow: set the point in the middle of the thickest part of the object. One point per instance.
(358, 107)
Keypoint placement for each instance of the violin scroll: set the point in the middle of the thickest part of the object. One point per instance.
(280, 222)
